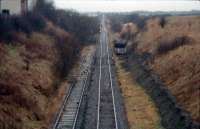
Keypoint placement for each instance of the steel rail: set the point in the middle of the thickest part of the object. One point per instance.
(81, 99)
(58, 116)
(99, 92)
(111, 83)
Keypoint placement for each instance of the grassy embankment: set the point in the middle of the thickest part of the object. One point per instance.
(140, 108)
(36, 56)
(175, 48)
(172, 45)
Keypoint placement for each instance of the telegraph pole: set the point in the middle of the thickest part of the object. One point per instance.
(0, 7)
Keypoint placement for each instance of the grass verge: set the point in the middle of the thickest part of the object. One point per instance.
(141, 110)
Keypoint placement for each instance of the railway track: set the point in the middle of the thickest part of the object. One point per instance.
(106, 111)
(68, 114)
(103, 113)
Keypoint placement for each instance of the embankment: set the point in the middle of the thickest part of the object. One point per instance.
(172, 115)
(32, 70)
(165, 54)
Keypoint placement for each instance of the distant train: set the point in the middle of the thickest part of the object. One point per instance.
(120, 47)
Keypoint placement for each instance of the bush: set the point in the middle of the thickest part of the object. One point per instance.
(6, 27)
(81, 26)
(162, 22)
(21, 24)
(116, 26)
(68, 49)
(27, 24)
(36, 20)
(164, 47)
(46, 9)
(118, 19)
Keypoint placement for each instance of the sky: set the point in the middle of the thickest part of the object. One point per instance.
(128, 5)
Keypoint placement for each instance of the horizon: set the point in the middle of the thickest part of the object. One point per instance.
(127, 5)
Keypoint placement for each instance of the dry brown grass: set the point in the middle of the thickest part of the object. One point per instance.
(166, 46)
(181, 73)
(128, 30)
(53, 30)
(29, 90)
(24, 91)
(39, 45)
(141, 111)
(180, 26)
(179, 64)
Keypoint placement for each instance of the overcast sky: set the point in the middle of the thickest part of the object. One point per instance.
(128, 5)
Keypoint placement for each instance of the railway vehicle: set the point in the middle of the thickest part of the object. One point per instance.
(120, 47)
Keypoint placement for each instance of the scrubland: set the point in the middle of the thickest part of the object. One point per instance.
(140, 109)
(172, 47)
(30, 77)
(37, 52)
(175, 48)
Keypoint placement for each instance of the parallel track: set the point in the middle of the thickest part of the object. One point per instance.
(106, 110)
(68, 114)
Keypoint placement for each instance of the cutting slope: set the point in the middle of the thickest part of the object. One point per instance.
(30, 77)
(175, 48)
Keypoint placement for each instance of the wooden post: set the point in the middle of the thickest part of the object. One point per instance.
(24, 6)
(0, 7)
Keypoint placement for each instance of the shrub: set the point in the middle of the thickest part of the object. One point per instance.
(21, 24)
(78, 24)
(27, 24)
(46, 9)
(162, 22)
(118, 19)
(40, 46)
(164, 46)
(6, 27)
(36, 20)
(68, 49)
(116, 26)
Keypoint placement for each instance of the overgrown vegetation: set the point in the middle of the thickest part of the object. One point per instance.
(37, 50)
(119, 19)
(80, 25)
(31, 22)
(162, 22)
(166, 46)
(82, 29)
(140, 20)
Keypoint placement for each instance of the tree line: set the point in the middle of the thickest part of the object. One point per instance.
(81, 26)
